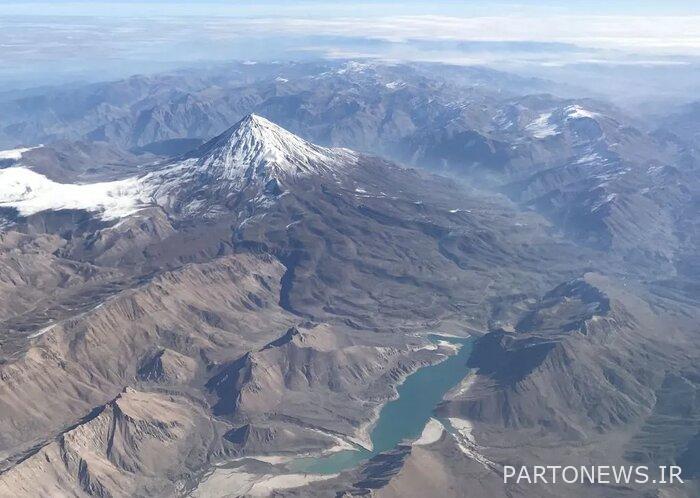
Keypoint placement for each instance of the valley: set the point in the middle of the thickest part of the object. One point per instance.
(397, 281)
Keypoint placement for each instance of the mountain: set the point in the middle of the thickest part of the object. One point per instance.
(81, 161)
(683, 121)
(572, 369)
(204, 101)
(262, 297)
(125, 448)
(177, 288)
(254, 153)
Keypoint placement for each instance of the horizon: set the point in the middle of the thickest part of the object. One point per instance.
(63, 42)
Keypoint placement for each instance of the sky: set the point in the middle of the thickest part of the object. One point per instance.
(331, 8)
(58, 41)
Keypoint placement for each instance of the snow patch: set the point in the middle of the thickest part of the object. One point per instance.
(353, 67)
(394, 85)
(255, 148)
(464, 427)
(589, 158)
(607, 200)
(30, 192)
(466, 443)
(578, 112)
(541, 127)
(16, 154)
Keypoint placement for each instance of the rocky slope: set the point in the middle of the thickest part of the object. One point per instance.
(580, 377)
(136, 445)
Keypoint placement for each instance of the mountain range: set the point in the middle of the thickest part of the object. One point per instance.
(188, 308)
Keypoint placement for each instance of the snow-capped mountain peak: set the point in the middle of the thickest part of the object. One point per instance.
(256, 147)
(252, 153)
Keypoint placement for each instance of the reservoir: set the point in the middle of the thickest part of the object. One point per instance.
(402, 418)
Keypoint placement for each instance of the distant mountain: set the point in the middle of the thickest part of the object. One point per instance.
(203, 102)
(597, 174)
(684, 122)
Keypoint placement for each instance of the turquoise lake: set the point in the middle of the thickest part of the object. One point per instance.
(402, 418)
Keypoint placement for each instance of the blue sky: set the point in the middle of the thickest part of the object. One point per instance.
(334, 8)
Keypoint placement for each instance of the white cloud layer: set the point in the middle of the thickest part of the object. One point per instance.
(44, 49)
(675, 34)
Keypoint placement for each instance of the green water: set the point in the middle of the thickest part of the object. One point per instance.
(403, 418)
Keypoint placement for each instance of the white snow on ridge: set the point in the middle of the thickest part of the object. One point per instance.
(254, 150)
(466, 443)
(541, 127)
(30, 192)
(603, 202)
(394, 85)
(577, 112)
(354, 67)
(589, 158)
(16, 153)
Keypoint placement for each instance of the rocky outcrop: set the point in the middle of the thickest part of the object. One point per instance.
(168, 367)
(556, 372)
(127, 448)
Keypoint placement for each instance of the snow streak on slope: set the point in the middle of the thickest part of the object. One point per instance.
(578, 112)
(541, 127)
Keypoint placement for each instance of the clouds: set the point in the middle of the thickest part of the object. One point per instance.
(66, 46)
(679, 35)
(667, 34)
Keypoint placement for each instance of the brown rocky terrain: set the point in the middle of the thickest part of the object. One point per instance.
(267, 297)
